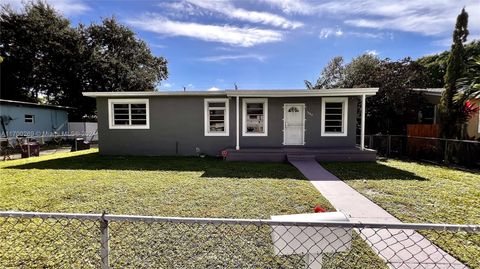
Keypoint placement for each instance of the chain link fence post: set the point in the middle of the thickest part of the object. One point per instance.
(104, 244)
(446, 158)
(389, 145)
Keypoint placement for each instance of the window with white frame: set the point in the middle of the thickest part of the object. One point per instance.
(128, 113)
(255, 117)
(216, 117)
(334, 116)
(478, 123)
(29, 118)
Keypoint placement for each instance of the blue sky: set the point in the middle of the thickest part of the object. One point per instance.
(274, 44)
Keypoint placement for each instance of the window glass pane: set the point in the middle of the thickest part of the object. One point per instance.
(29, 118)
(217, 126)
(120, 106)
(139, 122)
(121, 122)
(334, 105)
(333, 129)
(217, 112)
(121, 116)
(139, 116)
(216, 104)
(255, 120)
(138, 108)
(333, 117)
(216, 117)
(337, 111)
(130, 114)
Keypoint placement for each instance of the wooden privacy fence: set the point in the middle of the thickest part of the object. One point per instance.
(423, 130)
(419, 147)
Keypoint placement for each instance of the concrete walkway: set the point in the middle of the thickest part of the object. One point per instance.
(399, 248)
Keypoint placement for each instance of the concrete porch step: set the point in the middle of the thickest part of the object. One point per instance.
(320, 154)
(300, 157)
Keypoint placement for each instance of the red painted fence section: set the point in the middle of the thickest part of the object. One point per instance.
(420, 147)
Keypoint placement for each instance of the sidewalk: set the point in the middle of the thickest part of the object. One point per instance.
(400, 249)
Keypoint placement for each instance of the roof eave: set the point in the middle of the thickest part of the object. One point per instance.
(245, 93)
(303, 93)
(143, 94)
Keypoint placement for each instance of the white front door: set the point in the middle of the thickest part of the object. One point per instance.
(294, 120)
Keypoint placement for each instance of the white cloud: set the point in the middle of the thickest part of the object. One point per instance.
(158, 46)
(372, 52)
(244, 37)
(328, 32)
(213, 89)
(292, 6)
(337, 32)
(227, 9)
(183, 8)
(370, 35)
(221, 58)
(168, 85)
(427, 17)
(65, 7)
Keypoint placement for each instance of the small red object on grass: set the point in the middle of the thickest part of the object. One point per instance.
(319, 209)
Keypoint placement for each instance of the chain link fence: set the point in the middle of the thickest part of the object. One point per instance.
(54, 240)
(439, 150)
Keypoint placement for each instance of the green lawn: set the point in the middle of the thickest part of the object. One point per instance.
(415, 192)
(166, 186)
(86, 182)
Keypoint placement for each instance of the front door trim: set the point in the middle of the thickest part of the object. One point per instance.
(285, 123)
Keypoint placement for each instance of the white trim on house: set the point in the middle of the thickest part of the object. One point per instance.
(237, 123)
(362, 123)
(304, 107)
(244, 93)
(246, 101)
(111, 124)
(226, 117)
(303, 92)
(478, 123)
(344, 101)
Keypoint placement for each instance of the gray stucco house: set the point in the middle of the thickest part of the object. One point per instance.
(254, 125)
(32, 119)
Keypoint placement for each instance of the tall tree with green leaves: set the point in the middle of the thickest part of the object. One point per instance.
(331, 77)
(362, 71)
(44, 56)
(34, 44)
(437, 64)
(119, 61)
(396, 104)
(451, 111)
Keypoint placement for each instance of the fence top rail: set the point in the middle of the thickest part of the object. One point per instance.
(258, 222)
(72, 134)
(425, 137)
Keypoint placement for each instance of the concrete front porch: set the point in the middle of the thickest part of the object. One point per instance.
(282, 154)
